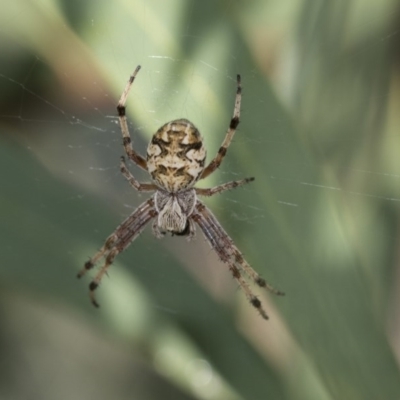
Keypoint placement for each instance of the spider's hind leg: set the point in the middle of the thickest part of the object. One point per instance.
(141, 187)
(217, 160)
(126, 138)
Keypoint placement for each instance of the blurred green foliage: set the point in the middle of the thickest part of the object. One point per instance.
(319, 131)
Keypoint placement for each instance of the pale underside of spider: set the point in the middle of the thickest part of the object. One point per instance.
(176, 161)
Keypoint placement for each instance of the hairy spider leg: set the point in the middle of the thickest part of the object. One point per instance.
(217, 160)
(127, 141)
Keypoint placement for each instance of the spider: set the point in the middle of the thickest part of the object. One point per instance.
(176, 161)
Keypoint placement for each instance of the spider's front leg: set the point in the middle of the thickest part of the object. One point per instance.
(117, 242)
(94, 284)
(230, 255)
(109, 251)
(109, 243)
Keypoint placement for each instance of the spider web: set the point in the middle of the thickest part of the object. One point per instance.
(62, 144)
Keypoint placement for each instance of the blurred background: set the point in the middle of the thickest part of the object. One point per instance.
(319, 131)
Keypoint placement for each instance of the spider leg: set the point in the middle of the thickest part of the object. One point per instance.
(222, 188)
(118, 241)
(217, 160)
(254, 301)
(230, 254)
(135, 157)
(109, 243)
(141, 187)
(94, 284)
(245, 266)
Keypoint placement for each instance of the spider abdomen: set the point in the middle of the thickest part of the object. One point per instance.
(176, 155)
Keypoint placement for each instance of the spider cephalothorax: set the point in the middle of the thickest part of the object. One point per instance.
(176, 161)
(174, 209)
